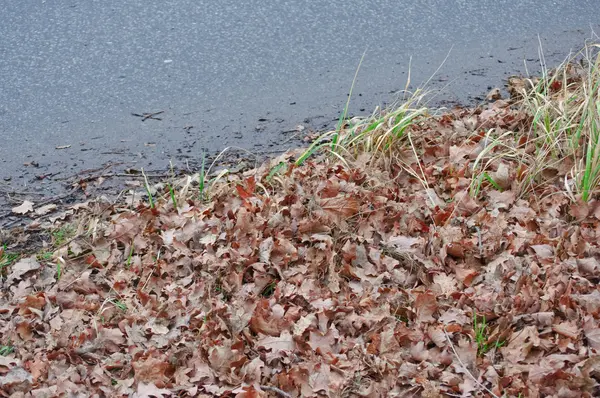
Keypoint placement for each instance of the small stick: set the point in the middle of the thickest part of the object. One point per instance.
(465, 367)
(276, 390)
(146, 116)
(57, 197)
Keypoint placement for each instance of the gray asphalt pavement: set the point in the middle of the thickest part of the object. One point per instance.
(240, 73)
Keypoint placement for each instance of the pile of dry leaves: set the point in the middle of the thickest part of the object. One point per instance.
(327, 279)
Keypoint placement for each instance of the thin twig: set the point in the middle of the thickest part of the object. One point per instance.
(149, 115)
(276, 390)
(58, 197)
(75, 280)
(87, 171)
(128, 175)
(465, 367)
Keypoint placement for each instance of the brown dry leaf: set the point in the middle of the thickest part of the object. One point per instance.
(277, 345)
(262, 320)
(21, 268)
(447, 284)
(150, 391)
(16, 380)
(114, 336)
(252, 371)
(467, 352)
(494, 94)
(404, 243)
(341, 206)
(455, 250)
(24, 331)
(247, 392)
(319, 379)
(502, 176)
(41, 211)
(23, 208)
(567, 329)
(590, 302)
(521, 344)
(323, 343)
(593, 337)
(543, 252)
(425, 306)
(588, 266)
(579, 210)
(151, 370)
(75, 248)
(458, 153)
(388, 344)
(303, 323)
(39, 368)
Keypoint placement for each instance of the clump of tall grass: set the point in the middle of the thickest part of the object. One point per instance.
(378, 134)
(564, 108)
(559, 135)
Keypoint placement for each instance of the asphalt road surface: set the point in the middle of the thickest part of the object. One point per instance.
(240, 73)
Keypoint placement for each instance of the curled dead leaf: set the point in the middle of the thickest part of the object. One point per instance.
(502, 176)
(494, 94)
(455, 250)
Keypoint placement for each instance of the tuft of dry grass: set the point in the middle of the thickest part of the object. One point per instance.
(556, 147)
(564, 106)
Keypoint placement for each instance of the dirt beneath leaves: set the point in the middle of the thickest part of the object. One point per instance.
(327, 279)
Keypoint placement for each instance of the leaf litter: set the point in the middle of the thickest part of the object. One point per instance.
(331, 278)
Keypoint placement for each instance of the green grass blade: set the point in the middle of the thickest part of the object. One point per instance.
(345, 112)
(202, 178)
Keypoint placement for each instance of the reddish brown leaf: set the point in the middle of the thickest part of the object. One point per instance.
(246, 191)
(151, 370)
(262, 320)
(425, 306)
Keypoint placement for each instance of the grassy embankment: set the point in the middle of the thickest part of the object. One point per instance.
(410, 252)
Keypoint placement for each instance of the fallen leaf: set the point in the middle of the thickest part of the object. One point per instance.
(494, 94)
(340, 206)
(593, 338)
(40, 211)
(150, 370)
(23, 208)
(567, 329)
(150, 391)
(543, 251)
(588, 266)
(425, 306)
(319, 379)
(502, 176)
(22, 267)
(17, 379)
(75, 248)
(283, 343)
(303, 323)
